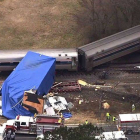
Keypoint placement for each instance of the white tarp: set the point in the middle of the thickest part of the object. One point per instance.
(62, 99)
(50, 111)
(52, 100)
(58, 103)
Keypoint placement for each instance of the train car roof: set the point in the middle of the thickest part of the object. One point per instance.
(112, 41)
(38, 50)
(10, 55)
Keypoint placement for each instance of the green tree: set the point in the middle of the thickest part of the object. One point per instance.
(82, 132)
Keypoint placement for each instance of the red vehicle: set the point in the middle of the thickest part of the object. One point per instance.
(33, 125)
(129, 123)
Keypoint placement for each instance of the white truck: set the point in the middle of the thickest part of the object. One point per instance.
(114, 135)
(129, 123)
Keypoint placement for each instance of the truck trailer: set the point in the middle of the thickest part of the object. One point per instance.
(129, 123)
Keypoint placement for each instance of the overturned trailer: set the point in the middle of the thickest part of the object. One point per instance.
(35, 71)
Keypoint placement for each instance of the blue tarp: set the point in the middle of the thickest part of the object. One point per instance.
(67, 115)
(35, 71)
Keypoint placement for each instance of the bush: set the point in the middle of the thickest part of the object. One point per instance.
(82, 132)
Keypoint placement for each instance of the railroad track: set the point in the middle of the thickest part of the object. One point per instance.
(71, 86)
(97, 74)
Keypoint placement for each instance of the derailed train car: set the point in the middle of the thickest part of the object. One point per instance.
(82, 58)
(109, 48)
(66, 59)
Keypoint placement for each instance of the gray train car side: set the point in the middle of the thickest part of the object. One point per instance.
(109, 48)
(66, 59)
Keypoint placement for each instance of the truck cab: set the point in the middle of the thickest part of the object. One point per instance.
(33, 125)
(22, 123)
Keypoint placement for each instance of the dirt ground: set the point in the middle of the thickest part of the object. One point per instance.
(124, 92)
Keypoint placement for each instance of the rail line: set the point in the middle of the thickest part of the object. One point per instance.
(69, 79)
(70, 86)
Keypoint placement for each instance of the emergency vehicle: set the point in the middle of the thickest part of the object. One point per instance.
(129, 123)
(114, 135)
(33, 125)
(2, 131)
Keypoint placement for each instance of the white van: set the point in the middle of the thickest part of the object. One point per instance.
(114, 135)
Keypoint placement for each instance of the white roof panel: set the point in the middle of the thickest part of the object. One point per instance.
(129, 117)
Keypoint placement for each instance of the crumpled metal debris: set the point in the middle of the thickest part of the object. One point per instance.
(105, 105)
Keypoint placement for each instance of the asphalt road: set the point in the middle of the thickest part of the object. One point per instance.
(132, 137)
(25, 137)
(111, 127)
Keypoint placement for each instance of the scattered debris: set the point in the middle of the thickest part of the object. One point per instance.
(33, 102)
(70, 105)
(59, 105)
(106, 105)
(80, 101)
(71, 86)
(83, 83)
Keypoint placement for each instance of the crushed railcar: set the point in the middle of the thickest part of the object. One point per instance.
(109, 48)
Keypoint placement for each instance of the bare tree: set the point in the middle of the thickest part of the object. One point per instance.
(99, 18)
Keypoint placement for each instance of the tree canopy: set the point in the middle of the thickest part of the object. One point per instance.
(82, 132)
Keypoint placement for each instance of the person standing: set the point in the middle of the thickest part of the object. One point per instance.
(86, 122)
(133, 108)
(114, 119)
(8, 135)
(107, 117)
(13, 136)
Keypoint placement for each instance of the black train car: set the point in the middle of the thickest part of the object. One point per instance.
(109, 48)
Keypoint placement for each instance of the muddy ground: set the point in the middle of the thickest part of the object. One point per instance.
(124, 92)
